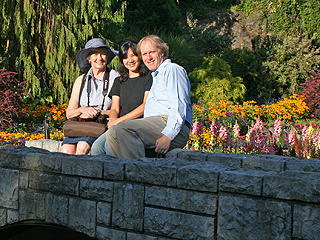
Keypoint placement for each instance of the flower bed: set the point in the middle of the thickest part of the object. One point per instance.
(284, 127)
(253, 129)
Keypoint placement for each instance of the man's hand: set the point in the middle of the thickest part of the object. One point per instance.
(163, 145)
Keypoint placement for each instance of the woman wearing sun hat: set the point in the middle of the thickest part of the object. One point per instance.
(88, 105)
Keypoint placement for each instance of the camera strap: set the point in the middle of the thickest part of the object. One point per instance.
(105, 88)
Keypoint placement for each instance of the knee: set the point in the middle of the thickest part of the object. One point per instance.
(82, 148)
(68, 149)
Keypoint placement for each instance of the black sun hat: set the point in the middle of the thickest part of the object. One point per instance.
(82, 55)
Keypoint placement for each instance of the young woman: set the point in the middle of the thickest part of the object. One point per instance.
(129, 92)
(95, 56)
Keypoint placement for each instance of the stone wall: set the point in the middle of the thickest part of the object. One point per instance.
(188, 195)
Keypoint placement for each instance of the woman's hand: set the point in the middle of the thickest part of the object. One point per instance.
(88, 112)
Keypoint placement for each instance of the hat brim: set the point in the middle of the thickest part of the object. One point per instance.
(82, 55)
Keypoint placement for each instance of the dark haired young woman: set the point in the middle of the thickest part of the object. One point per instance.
(129, 92)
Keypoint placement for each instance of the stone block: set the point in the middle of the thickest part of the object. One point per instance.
(57, 209)
(191, 201)
(12, 216)
(9, 184)
(265, 163)
(104, 213)
(128, 206)
(293, 185)
(42, 162)
(202, 177)
(96, 189)
(47, 144)
(242, 181)
(230, 159)
(31, 205)
(162, 171)
(114, 169)
(254, 219)
(36, 143)
(24, 179)
(306, 165)
(54, 183)
(83, 165)
(51, 145)
(174, 152)
(193, 156)
(306, 222)
(178, 225)
(110, 234)
(82, 216)
(135, 236)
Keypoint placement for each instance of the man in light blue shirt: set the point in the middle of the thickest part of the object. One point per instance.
(167, 114)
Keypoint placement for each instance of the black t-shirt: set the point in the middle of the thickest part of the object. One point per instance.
(131, 92)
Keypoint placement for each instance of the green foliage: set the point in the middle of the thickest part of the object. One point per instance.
(200, 8)
(209, 43)
(248, 64)
(152, 15)
(182, 51)
(287, 15)
(43, 37)
(291, 61)
(213, 81)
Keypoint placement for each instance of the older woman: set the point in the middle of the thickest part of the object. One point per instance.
(129, 92)
(87, 100)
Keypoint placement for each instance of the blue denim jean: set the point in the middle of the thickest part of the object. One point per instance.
(100, 146)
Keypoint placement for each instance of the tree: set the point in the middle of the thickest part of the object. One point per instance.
(40, 39)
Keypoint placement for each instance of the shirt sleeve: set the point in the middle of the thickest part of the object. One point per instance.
(178, 87)
(115, 90)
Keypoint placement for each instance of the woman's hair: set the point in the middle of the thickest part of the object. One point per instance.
(123, 52)
(157, 42)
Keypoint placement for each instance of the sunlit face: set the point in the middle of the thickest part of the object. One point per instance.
(131, 62)
(151, 55)
(98, 58)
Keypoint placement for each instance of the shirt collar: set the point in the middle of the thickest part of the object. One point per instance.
(97, 79)
(161, 67)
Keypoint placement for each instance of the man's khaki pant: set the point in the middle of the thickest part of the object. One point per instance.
(130, 139)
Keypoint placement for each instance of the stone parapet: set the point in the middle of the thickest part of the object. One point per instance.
(187, 195)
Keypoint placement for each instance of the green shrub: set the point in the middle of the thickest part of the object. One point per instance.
(291, 61)
(213, 81)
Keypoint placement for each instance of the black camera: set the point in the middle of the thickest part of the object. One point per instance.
(102, 118)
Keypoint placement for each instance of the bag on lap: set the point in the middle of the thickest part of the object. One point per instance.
(78, 127)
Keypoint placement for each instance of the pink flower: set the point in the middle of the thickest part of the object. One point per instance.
(236, 131)
(223, 132)
(292, 137)
(197, 128)
(214, 128)
(277, 128)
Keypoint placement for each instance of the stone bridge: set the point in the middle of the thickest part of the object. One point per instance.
(187, 195)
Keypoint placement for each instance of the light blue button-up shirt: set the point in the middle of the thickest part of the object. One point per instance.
(170, 95)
